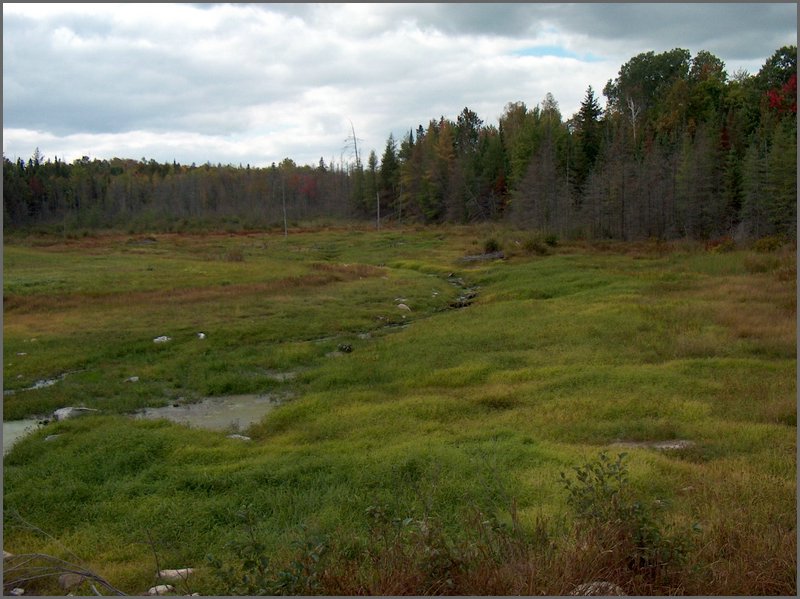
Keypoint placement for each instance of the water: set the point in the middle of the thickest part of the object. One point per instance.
(230, 413)
(225, 414)
(14, 430)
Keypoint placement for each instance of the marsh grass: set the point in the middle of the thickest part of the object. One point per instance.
(456, 422)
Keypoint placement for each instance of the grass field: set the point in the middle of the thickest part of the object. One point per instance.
(429, 458)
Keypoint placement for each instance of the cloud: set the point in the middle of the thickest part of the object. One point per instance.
(259, 82)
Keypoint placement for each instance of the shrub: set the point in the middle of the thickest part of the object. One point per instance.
(491, 246)
(617, 522)
(768, 244)
(534, 245)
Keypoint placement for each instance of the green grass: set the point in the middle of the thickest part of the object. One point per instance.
(559, 356)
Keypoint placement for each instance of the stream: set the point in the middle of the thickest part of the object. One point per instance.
(233, 413)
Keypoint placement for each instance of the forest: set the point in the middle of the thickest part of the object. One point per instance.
(680, 149)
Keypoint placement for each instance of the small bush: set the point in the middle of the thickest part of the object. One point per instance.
(768, 244)
(534, 245)
(612, 517)
(491, 246)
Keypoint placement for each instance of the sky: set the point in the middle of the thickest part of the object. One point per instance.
(256, 83)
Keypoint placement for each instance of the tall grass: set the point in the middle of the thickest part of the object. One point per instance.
(428, 458)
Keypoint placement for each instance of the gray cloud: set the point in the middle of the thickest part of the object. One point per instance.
(258, 82)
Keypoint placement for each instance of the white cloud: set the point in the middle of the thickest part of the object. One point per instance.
(255, 83)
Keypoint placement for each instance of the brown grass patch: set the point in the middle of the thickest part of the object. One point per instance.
(329, 274)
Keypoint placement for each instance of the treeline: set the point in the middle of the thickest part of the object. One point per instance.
(681, 149)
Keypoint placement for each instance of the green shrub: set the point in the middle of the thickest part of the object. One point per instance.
(551, 239)
(491, 245)
(610, 515)
(535, 245)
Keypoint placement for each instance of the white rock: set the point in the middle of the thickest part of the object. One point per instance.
(52, 437)
(17, 592)
(240, 437)
(160, 589)
(132, 379)
(70, 412)
(201, 335)
(162, 339)
(403, 307)
(175, 575)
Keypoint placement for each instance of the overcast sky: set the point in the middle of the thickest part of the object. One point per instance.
(255, 83)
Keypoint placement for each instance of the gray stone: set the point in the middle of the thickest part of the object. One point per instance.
(483, 257)
(52, 437)
(403, 307)
(71, 412)
(240, 437)
(70, 581)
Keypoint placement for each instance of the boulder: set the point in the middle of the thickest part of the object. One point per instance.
(176, 575)
(70, 581)
(71, 412)
(403, 307)
(160, 589)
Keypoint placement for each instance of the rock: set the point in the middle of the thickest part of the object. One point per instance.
(201, 335)
(162, 339)
(345, 348)
(52, 437)
(132, 379)
(71, 412)
(7, 555)
(234, 436)
(160, 589)
(17, 592)
(672, 444)
(403, 307)
(181, 573)
(482, 257)
(69, 581)
(598, 588)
